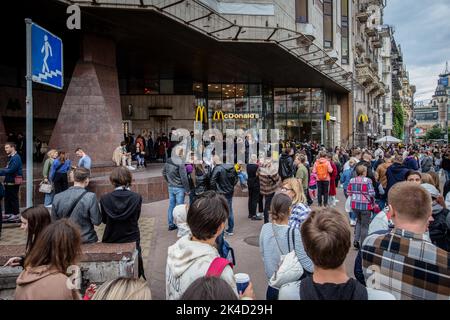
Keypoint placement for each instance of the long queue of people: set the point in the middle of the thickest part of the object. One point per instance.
(303, 248)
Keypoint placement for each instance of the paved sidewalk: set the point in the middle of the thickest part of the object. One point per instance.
(155, 239)
(248, 257)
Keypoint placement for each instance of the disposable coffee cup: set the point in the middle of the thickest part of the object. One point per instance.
(242, 281)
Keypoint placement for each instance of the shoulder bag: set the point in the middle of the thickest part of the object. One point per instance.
(74, 204)
(289, 269)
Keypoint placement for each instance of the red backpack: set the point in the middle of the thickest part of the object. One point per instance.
(217, 266)
(322, 171)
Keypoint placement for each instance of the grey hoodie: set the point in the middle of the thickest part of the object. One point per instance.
(186, 262)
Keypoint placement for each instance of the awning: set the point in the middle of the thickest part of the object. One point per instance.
(207, 20)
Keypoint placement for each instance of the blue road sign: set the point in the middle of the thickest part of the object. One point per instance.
(46, 57)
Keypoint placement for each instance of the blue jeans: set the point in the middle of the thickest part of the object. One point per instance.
(140, 160)
(176, 197)
(48, 200)
(231, 216)
(242, 177)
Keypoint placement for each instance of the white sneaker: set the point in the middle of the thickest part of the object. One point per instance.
(352, 222)
(131, 168)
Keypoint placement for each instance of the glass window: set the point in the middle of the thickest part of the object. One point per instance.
(328, 23)
(345, 31)
(280, 100)
(301, 11)
(292, 100)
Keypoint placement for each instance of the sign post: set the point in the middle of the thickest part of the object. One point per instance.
(45, 66)
(29, 119)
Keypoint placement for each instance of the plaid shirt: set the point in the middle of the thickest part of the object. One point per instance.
(407, 265)
(361, 191)
(299, 213)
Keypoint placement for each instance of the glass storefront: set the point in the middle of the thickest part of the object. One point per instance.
(297, 112)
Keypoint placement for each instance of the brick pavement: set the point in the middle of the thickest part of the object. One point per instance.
(247, 256)
(16, 236)
(155, 239)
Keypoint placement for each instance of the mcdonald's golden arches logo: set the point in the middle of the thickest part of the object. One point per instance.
(218, 116)
(200, 114)
(363, 118)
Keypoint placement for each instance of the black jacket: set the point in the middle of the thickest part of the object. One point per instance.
(219, 180)
(253, 179)
(121, 210)
(445, 163)
(202, 181)
(286, 167)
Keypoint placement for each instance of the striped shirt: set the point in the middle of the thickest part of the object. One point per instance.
(361, 191)
(407, 265)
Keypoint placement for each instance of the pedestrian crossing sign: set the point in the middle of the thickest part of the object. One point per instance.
(46, 57)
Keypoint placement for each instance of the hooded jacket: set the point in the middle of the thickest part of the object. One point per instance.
(121, 210)
(411, 163)
(439, 228)
(186, 262)
(44, 283)
(395, 173)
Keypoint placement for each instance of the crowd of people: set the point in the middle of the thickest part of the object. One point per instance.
(394, 200)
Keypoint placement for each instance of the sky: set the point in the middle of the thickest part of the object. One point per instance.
(422, 28)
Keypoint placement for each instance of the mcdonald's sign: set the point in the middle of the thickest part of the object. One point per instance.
(218, 115)
(363, 118)
(200, 114)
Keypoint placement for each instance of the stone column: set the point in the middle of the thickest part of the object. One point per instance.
(3, 139)
(91, 117)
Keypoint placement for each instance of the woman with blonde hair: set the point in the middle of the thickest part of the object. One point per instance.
(299, 209)
(51, 156)
(123, 289)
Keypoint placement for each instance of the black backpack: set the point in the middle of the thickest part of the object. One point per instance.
(439, 233)
(231, 175)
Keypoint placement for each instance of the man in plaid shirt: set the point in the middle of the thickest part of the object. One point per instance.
(404, 262)
(362, 193)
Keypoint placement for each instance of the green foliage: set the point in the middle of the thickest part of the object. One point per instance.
(435, 133)
(398, 120)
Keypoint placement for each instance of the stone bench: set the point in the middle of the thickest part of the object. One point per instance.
(99, 262)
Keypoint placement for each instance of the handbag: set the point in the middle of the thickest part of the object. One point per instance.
(45, 187)
(289, 269)
(18, 180)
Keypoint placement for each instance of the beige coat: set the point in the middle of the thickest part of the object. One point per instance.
(44, 283)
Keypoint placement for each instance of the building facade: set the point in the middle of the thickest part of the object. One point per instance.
(436, 111)
(312, 69)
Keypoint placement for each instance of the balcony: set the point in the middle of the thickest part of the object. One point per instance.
(365, 74)
(371, 32)
(376, 42)
(362, 14)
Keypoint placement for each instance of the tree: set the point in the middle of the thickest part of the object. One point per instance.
(398, 119)
(435, 133)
